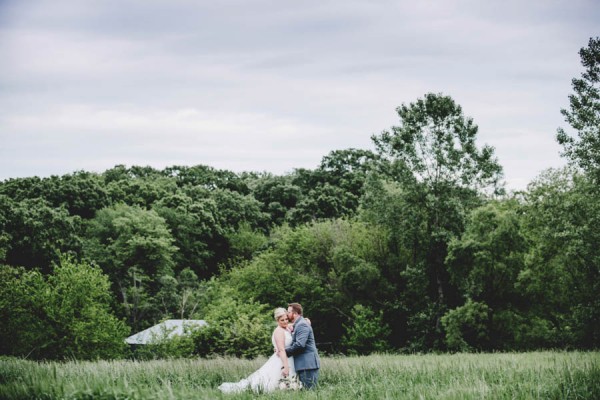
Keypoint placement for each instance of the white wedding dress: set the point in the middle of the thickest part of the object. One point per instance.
(266, 378)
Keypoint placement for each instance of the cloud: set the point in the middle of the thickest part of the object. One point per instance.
(274, 86)
(166, 137)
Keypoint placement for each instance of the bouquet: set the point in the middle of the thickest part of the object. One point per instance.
(290, 383)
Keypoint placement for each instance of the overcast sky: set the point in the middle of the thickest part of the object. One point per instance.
(276, 85)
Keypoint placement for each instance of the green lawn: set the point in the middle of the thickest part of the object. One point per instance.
(539, 375)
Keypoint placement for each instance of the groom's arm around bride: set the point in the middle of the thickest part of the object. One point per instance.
(303, 348)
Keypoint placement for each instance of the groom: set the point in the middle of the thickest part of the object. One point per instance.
(303, 348)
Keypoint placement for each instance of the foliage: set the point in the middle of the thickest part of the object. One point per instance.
(134, 247)
(418, 233)
(467, 326)
(584, 113)
(367, 332)
(34, 233)
(436, 144)
(195, 229)
(180, 296)
(562, 271)
(236, 326)
(66, 315)
(24, 329)
(77, 304)
(439, 174)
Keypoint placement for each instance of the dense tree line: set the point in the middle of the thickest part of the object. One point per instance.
(412, 246)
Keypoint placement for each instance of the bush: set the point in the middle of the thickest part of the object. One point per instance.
(66, 315)
(467, 326)
(367, 333)
(235, 327)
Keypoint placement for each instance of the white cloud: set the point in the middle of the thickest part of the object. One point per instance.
(274, 86)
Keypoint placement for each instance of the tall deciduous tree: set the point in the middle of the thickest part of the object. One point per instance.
(584, 113)
(434, 156)
(135, 248)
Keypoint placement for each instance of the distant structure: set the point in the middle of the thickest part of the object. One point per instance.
(165, 330)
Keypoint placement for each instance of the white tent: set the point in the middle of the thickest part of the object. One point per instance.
(166, 329)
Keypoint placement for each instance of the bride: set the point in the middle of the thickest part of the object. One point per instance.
(279, 365)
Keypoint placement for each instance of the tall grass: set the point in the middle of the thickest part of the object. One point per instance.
(540, 375)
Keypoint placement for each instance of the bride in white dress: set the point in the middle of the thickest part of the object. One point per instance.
(279, 365)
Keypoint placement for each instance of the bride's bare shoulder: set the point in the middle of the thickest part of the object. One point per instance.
(279, 331)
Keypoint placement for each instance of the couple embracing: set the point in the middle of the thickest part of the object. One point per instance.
(296, 357)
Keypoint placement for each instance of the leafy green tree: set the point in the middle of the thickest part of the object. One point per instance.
(278, 196)
(333, 189)
(180, 297)
(38, 233)
(326, 266)
(77, 304)
(235, 210)
(25, 330)
(348, 169)
(142, 192)
(81, 193)
(487, 259)
(584, 113)
(485, 263)
(245, 243)
(440, 172)
(66, 314)
(192, 293)
(135, 248)
(6, 210)
(196, 231)
(561, 277)
(19, 189)
(323, 202)
(436, 144)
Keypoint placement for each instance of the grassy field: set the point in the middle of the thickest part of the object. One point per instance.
(539, 375)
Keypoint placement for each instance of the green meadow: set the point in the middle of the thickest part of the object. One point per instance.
(534, 375)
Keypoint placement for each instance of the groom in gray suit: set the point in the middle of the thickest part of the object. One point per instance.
(303, 348)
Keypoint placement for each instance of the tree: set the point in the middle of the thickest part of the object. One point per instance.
(467, 326)
(584, 113)
(435, 143)
(561, 278)
(207, 178)
(37, 232)
(195, 229)
(180, 297)
(24, 330)
(66, 314)
(327, 266)
(81, 193)
(278, 195)
(135, 248)
(485, 263)
(433, 157)
(77, 304)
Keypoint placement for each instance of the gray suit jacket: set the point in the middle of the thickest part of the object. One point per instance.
(303, 347)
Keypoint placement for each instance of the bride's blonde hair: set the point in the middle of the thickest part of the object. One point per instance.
(279, 312)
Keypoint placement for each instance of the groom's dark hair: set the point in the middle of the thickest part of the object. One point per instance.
(296, 307)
